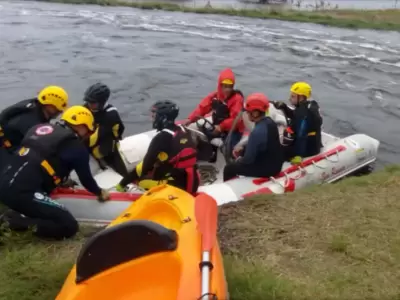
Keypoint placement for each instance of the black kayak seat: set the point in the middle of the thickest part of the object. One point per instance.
(122, 243)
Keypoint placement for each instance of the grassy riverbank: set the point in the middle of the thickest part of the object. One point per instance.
(334, 242)
(369, 19)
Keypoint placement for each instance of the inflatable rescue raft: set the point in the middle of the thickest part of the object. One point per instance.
(162, 247)
(338, 158)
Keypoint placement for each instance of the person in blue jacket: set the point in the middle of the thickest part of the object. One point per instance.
(263, 156)
(47, 155)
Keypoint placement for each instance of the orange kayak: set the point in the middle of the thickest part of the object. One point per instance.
(155, 250)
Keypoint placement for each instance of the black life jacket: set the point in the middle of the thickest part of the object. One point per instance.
(11, 112)
(220, 109)
(41, 146)
(314, 123)
(107, 144)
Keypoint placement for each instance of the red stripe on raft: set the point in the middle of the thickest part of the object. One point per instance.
(84, 194)
(264, 191)
(304, 164)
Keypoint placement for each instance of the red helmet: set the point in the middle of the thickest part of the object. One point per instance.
(257, 101)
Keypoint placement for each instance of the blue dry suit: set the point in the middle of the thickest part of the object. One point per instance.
(263, 155)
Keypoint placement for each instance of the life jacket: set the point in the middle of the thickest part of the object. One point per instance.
(220, 109)
(11, 112)
(183, 154)
(314, 121)
(105, 146)
(41, 146)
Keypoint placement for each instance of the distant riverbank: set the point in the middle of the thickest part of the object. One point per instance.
(368, 19)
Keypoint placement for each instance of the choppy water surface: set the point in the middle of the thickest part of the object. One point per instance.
(150, 55)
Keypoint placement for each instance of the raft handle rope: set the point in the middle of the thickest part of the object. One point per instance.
(333, 161)
(284, 186)
(208, 295)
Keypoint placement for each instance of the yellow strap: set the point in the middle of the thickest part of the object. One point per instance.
(96, 152)
(312, 133)
(49, 169)
(115, 130)
(94, 138)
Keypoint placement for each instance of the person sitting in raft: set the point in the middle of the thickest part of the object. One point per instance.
(263, 155)
(48, 153)
(302, 138)
(17, 119)
(104, 143)
(225, 104)
(171, 157)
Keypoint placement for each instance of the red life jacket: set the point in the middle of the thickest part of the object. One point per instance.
(183, 155)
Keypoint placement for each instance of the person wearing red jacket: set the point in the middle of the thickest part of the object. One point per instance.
(225, 104)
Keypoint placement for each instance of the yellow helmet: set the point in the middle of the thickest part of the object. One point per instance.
(54, 95)
(79, 115)
(301, 88)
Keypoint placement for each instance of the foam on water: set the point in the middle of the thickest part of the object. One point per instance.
(148, 55)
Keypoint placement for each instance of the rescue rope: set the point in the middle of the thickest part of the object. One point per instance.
(208, 174)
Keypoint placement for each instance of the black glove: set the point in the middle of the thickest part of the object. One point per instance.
(279, 104)
(68, 183)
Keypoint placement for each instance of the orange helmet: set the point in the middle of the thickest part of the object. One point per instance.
(257, 101)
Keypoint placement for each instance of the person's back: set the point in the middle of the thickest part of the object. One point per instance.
(16, 120)
(263, 154)
(47, 155)
(171, 156)
(270, 156)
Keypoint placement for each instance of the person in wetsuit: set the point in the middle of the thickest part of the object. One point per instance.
(302, 138)
(17, 119)
(225, 104)
(171, 157)
(104, 143)
(48, 153)
(263, 155)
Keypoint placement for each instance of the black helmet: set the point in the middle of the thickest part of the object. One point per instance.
(97, 93)
(165, 114)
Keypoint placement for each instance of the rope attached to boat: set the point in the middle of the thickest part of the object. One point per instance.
(212, 295)
(208, 174)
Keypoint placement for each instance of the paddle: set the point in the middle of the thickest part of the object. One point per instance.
(206, 212)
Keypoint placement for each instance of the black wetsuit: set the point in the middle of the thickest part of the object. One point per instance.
(47, 155)
(15, 121)
(109, 133)
(179, 164)
(306, 122)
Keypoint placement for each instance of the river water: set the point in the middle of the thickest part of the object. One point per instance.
(146, 56)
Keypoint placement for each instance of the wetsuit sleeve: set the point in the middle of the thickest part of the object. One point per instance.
(257, 142)
(77, 158)
(203, 108)
(301, 130)
(160, 143)
(235, 105)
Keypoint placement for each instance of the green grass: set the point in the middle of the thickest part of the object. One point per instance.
(333, 242)
(369, 19)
